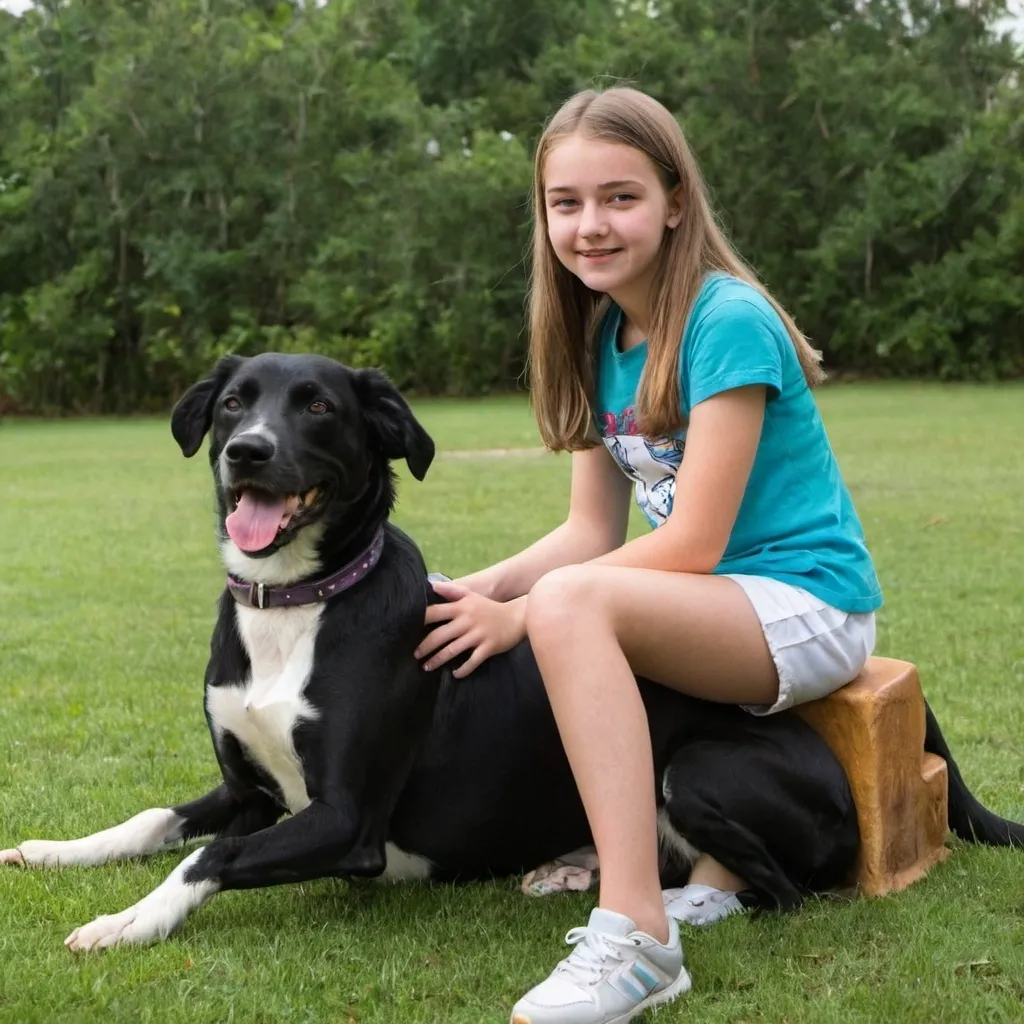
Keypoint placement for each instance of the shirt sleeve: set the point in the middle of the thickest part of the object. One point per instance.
(735, 345)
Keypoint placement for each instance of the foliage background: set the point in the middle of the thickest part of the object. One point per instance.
(180, 178)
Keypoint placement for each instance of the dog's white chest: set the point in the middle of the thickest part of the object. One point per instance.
(263, 711)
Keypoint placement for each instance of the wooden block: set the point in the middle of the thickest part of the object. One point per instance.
(875, 726)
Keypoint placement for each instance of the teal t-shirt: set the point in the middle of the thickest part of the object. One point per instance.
(796, 522)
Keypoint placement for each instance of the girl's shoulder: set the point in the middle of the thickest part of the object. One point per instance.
(729, 312)
(735, 338)
(723, 295)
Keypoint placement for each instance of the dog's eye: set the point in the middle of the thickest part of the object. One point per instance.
(232, 404)
(318, 407)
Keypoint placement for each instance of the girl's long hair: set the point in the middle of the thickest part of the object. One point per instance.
(565, 313)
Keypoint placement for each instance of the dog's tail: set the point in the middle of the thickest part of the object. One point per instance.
(967, 817)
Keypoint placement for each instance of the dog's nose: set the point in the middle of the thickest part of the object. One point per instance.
(250, 450)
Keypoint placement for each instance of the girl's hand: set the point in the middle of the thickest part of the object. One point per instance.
(470, 621)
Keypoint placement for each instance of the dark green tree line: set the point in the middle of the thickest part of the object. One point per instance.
(181, 178)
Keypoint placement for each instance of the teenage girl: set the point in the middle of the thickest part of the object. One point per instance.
(650, 339)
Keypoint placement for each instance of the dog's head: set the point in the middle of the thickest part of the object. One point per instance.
(297, 444)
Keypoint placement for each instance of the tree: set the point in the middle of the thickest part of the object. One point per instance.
(181, 178)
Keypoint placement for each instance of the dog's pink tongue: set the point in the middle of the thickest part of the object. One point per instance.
(253, 525)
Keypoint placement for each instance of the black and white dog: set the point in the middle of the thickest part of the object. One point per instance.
(341, 757)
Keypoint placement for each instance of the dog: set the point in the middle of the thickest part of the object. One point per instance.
(340, 756)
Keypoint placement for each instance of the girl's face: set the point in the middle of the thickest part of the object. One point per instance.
(607, 212)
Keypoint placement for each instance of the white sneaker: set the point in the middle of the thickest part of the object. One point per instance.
(701, 905)
(613, 974)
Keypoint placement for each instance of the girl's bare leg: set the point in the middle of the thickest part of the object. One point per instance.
(592, 627)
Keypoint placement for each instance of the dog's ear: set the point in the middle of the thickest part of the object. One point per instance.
(390, 420)
(193, 414)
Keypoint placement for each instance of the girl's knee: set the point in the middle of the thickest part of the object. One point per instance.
(561, 602)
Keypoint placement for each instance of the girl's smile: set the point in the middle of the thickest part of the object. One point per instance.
(598, 255)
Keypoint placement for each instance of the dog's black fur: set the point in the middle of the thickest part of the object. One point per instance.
(468, 775)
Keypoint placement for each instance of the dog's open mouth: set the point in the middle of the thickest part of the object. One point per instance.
(258, 518)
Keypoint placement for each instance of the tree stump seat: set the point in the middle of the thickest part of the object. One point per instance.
(875, 726)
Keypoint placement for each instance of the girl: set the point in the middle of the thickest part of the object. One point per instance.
(649, 337)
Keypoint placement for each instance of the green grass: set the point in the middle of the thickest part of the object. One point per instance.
(108, 579)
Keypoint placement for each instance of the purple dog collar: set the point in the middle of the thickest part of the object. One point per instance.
(259, 595)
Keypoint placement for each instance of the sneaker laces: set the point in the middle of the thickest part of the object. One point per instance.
(588, 962)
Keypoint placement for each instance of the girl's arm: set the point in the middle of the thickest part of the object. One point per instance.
(595, 525)
(721, 443)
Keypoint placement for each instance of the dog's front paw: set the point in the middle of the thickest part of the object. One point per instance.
(109, 930)
(153, 917)
(35, 853)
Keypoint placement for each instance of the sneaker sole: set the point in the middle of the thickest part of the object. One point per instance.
(678, 988)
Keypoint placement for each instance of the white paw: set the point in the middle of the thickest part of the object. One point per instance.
(153, 917)
(146, 833)
(36, 853)
(106, 931)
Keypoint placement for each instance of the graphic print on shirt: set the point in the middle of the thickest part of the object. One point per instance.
(652, 465)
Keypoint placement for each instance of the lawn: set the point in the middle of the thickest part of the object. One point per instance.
(108, 579)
